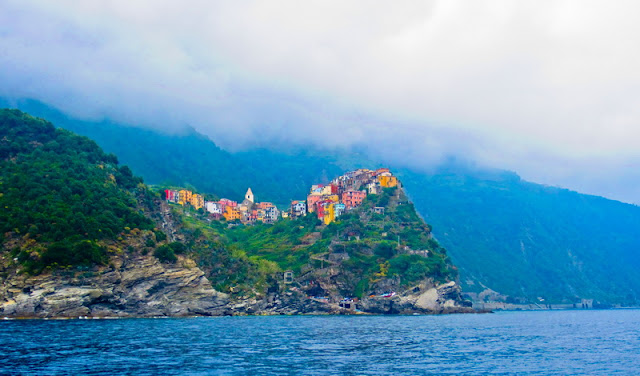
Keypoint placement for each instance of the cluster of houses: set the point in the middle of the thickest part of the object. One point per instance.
(328, 201)
(344, 193)
(248, 211)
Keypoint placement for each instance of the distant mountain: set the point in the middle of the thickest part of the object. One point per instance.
(528, 241)
(517, 238)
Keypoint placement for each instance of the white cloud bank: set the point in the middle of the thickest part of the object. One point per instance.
(550, 89)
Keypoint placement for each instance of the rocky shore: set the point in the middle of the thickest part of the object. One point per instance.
(140, 286)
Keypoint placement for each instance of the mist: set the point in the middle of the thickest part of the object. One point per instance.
(549, 89)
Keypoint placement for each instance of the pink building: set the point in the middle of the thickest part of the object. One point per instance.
(312, 199)
(353, 198)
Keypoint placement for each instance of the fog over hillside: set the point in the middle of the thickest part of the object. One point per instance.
(547, 89)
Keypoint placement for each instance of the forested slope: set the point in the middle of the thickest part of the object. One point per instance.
(60, 194)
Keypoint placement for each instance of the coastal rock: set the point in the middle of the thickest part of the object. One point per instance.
(425, 299)
(137, 286)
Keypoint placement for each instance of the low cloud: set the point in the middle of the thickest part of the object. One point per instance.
(545, 88)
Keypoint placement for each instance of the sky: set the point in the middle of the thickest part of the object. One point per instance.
(549, 89)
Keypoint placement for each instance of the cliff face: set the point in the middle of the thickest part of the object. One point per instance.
(137, 286)
(140, 286)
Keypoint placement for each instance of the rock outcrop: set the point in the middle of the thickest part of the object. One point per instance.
(424, 299)
(139, 286)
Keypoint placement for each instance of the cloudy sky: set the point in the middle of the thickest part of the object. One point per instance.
(549, 89)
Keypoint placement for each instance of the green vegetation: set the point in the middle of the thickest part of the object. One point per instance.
(192, 160)
(527, 240)
(168, 252)
(60, 195)
(364, 248)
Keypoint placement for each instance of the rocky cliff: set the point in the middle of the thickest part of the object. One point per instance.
(137, 286)
(140, 286)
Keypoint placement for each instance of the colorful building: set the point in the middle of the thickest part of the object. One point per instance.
(171, 195)
(374, 187)
(387, 180)
(226, 202)
(352, 198)
(231, 213)
(298, 209)
(197, 201)
(329, 212)
(213, 207)
(312, 200)
(184, 196)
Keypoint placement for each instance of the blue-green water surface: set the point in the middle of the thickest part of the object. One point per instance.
(547, 342)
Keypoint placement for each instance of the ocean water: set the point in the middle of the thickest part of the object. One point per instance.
(589, 342)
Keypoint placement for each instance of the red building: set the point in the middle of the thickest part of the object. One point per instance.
(171, 195)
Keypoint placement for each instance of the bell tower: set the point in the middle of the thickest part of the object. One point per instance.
(249, 195)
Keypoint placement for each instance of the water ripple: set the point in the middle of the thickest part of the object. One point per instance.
(533, 343)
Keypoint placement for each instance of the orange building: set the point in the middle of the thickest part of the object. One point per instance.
(231, 213)
(387, 181)
(197, 201)
(184, 196)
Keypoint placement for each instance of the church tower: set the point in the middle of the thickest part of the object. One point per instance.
(249, 196)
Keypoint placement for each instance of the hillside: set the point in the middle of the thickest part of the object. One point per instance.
(190, 159)
(520, 239)
(82, 236)
(76, 233)
(60, 191)
(529, 241)
(361, 253)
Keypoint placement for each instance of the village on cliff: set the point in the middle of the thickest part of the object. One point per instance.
(328, 201)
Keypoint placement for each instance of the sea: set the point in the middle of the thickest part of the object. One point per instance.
(572, 342)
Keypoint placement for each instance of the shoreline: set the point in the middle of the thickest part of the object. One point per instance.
(62, 318)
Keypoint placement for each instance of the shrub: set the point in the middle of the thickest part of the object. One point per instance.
(160, 236)
(164, 253)
(178, 247)
(84, 252)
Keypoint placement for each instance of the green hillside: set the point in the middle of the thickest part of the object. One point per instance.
(517, 238)
(189, 159)
(68, 205)
(60, 195)
(361, 253)
(527, 240)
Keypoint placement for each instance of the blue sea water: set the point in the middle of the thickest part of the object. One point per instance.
(546, 343)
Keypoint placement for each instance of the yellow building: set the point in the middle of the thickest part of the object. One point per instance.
(197, 201)
(334, 198)
(329, 214)
(231, 213)
(326, 190)
(387, 181)
(184, 196)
